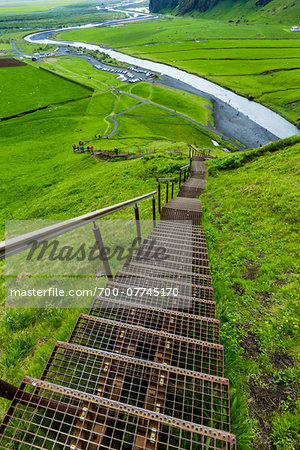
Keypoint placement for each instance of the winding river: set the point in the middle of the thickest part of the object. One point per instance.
(246, 120)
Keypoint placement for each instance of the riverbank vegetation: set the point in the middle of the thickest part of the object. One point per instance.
(260, 62)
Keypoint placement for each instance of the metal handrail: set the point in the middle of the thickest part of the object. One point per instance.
(20, 243)
(164, 180)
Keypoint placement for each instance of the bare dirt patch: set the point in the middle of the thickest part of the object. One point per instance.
(238, 289)
(11, 62)
(265, 398)
(251, 270)
(280, 360)
(250, 345)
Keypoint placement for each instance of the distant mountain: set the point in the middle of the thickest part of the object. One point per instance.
(267, 11)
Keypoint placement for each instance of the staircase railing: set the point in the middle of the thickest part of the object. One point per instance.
(24, 242)
(184, 173)
(165, 181)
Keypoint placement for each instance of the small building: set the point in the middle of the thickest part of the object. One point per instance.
(295, 28)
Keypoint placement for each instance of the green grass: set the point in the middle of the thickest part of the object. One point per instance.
(171, 30)
(39, 167)
(125, 102)
(251, 207)
(184, 103)
(18, 7)
(80, 70)
(277, 11)
(260, 61)
(42, 89)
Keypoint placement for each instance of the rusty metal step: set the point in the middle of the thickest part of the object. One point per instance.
(183, 266)
(176, 392)
(192, 188)
(99, 423)
(174, 247)
(163, 240)
(146, 344)
(173, 285)
(182, 224)
(182, 208)
(166, 272)
(178, 236)
(172, 257)
(174, 322)
(126, 293)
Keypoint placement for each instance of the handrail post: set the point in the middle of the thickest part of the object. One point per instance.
(7, 390)
(172, 192)
(102, 251)
(167, 192)
(153, 211)
(159, 199)
(179, 183)
(137, 223)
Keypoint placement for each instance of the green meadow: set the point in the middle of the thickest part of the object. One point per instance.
(251, 206)
(15, 7)
(173, 29)
(38, 163)
(41, 89)
(257, 61)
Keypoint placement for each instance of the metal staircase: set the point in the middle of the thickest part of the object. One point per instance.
(144, 372)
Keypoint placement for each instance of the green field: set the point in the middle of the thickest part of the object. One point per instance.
(16, 7)
(251, 207)
(171, 30)
(42, 89)
(40, 143)
(259, 61)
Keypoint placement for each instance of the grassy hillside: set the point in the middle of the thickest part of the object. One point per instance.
(256, 11)
(274, 12)
(251, 206)
(43, 178)
(257, 61)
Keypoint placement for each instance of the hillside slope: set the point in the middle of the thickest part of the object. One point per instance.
(265, 11)
(250, 219)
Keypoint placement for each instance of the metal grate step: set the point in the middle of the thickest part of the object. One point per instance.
(124, 292)
(146, 344)
(174, 322)
(182, 208)
(98, 422)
